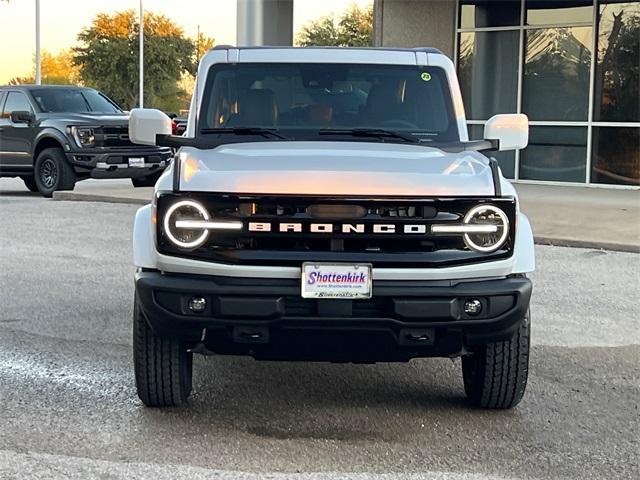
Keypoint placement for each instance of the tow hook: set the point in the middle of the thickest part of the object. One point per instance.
(251, 334)
(416, 336)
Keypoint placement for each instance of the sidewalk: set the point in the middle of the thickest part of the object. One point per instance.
(560, 215)
(583, 217)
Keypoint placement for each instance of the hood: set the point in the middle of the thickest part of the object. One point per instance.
(91, 119)
(335, 168)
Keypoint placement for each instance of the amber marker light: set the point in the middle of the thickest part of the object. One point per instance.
(189, 168)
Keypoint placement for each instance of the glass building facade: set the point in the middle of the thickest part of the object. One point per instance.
(573, 66)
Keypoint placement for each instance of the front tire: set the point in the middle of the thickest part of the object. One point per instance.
(52, 172)
(149, 181)
(495, 376)
(163, 367)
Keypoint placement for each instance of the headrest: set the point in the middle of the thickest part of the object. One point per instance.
(258, 108)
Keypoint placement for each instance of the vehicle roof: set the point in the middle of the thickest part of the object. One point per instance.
(268, 47)
(349, 55)
(33, 87)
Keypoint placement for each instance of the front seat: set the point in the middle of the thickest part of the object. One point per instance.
(384, 103)
(257, 108)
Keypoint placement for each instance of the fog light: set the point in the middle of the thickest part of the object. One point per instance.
(197, 304)
(472, 307)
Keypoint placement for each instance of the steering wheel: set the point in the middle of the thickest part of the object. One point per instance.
(398, 124)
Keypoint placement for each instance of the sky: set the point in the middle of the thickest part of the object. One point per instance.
(62, 20)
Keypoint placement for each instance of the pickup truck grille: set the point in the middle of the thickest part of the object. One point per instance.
(357, 242)
(113, 137)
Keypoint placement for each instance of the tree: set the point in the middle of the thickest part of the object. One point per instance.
(321, 33)
(56, 68)
(202, 44)
(618, 70)
(188, 81)
(110, 46)
(354, 28)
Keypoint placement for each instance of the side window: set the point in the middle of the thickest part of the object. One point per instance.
(16, 101)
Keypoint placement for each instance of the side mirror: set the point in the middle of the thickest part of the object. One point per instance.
(511, 131)
(146, 123)
(22, 116)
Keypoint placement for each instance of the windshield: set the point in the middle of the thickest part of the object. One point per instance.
(304, 99)
(74, 100)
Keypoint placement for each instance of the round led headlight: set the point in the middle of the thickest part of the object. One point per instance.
(186, 237)
(490, 216)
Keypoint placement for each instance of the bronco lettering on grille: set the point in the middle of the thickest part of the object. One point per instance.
(355, 228)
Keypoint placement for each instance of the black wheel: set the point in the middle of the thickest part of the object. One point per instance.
(30, 183)
(52, 172)
(496, 375)
(163, 367)
(149, 181)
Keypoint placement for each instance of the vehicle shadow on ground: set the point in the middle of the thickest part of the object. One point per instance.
(18, 193)
(297, 400)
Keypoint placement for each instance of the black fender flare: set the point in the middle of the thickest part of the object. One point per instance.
(48, 134)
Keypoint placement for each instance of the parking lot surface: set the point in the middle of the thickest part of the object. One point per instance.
(69, 407)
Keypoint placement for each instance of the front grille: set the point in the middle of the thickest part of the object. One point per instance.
(292, 248)
(113, 137)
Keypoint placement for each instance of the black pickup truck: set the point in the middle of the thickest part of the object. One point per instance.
(52, 136)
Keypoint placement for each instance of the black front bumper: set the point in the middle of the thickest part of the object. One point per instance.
(268, 319)
(114, 162)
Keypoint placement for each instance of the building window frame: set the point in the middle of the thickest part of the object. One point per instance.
(589, 123)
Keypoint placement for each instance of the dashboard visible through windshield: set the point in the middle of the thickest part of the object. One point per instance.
(304, 100)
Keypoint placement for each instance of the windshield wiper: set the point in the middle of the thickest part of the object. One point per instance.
(369, 132)
(265, 132)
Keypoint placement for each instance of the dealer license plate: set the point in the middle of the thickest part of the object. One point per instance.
(137, 162)
(336, 280)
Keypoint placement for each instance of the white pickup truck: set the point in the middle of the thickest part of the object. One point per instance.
(326, 204)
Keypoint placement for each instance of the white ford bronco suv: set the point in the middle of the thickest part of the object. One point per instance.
(326, 204)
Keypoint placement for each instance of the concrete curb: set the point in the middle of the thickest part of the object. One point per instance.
(575, 243)
(538, 239)
(92, 197)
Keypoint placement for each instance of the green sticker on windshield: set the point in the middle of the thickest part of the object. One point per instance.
(426, 76)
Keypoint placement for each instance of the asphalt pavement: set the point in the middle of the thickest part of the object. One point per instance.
(69, 408)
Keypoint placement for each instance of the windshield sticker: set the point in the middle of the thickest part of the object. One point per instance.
(426, 76)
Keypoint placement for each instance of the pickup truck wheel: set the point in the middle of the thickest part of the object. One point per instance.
(52, 172)
(30, 183)
(496, 375)
(149, 181)
(163, 367)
